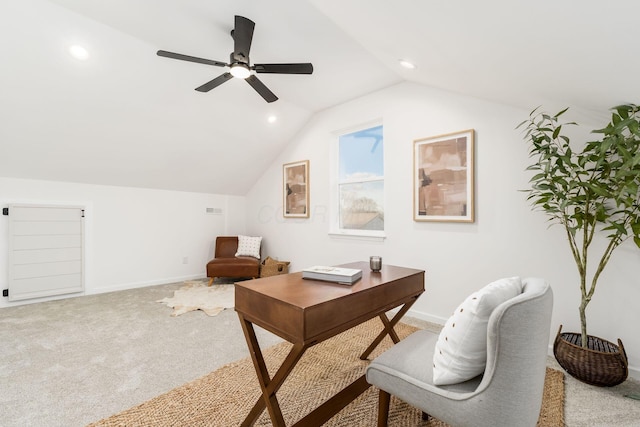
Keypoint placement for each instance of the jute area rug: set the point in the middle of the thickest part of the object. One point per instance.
(224, 397)
(196, 295)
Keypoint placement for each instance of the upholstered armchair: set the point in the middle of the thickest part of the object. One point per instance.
(235, 256)
(507, 393)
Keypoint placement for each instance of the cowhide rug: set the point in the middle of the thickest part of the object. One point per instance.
(195, 295)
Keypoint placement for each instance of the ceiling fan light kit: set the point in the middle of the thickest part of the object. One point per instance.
(240, 71)
(240, 65)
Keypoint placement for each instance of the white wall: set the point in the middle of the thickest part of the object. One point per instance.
(507, 238)
(134, 237)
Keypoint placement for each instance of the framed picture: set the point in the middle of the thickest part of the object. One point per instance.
(443, 178)
(295, 180)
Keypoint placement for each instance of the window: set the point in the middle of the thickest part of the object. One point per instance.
(360, 183)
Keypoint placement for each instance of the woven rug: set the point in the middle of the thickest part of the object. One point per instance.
(224, 397)
(196, 295)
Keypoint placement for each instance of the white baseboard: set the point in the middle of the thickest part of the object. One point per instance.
(5, 303)
(144, 284)
(426, 317)
(120, 287)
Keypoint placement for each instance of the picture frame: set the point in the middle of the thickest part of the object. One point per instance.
(295, 189)
(443, 177)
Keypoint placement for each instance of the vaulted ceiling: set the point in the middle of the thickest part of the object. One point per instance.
(127, 117)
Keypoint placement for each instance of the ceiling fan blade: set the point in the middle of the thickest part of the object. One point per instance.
(215, 82)
(261, 88)
(242, 36)
(190, 58)
(305, 68)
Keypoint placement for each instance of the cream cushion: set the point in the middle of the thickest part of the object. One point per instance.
(249, 246)
(461, 350)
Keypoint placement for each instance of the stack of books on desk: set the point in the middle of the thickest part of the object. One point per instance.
(341, 275)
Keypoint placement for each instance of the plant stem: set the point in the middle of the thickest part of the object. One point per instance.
(584, 301)
(586, 296)
(583, 318)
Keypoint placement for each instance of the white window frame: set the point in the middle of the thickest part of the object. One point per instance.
(335, 231)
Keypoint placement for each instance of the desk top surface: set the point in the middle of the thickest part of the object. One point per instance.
(303, 293)
(300, 309)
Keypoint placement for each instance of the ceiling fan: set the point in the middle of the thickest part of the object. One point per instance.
(239, 64)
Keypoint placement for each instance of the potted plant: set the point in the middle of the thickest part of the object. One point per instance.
(590, 191)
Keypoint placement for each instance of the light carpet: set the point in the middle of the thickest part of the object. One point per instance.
(225, 396)
(196, 295)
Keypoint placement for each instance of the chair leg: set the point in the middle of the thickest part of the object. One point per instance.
(383, 408)
(210, 280)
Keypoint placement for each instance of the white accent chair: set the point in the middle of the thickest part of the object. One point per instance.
(508, 393)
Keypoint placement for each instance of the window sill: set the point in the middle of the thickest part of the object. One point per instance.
(370, 237)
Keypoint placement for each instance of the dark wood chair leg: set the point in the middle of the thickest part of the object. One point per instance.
(383, 408)
(425, 416)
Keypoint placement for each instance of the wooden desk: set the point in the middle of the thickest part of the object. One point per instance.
(307, 312)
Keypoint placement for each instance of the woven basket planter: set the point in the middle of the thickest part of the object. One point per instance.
(602, 363)
(272, 267)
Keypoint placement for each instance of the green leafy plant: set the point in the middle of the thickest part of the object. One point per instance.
(588, 190)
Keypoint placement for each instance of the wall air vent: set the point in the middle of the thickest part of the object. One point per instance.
(214, 211)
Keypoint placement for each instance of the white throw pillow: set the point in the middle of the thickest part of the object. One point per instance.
(249, 246)
(461, 349)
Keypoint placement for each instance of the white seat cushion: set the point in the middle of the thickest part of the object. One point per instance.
(461, 351)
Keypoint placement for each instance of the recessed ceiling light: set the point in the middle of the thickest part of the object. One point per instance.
(272, 119)
(406, 64)
(79, 52)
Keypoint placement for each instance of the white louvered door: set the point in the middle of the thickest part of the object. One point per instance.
(46, 250)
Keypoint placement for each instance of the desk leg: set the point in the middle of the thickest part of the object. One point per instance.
(388, 328)
(268, 386)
